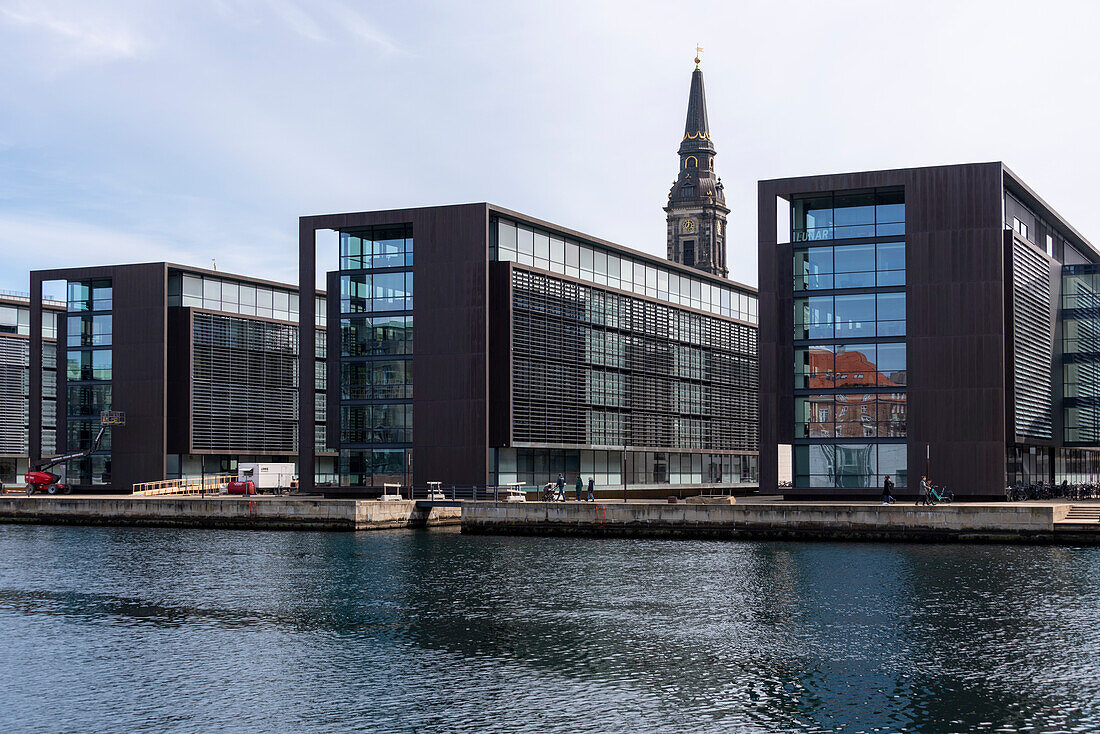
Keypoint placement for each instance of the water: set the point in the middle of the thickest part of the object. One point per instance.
(156, 630)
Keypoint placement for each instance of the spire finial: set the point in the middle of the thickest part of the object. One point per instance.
(698, 53)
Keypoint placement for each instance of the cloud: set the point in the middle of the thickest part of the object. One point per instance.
(359, 26)
(30, 243)
(79, 35)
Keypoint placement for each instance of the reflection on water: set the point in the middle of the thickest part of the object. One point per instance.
(125, 630)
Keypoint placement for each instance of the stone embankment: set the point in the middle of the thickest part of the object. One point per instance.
(993, 522)
(269, 513)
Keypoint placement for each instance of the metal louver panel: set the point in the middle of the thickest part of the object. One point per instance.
(1033, 342)
(598, 368)
(14, 387)
(245, 386)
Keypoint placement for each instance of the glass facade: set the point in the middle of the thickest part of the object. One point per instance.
(526, 245)
(849, 339)
(376, 344)
(1080, 318)
(608, 469)
(214, 293)
(88, 376)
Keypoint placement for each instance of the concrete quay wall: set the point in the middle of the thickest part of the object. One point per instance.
(956, 522)
(289, 513)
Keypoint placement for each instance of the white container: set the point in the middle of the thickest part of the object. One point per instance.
(266, 476)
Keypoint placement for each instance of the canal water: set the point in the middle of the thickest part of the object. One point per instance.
(157, 630)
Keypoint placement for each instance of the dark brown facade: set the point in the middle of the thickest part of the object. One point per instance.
(959, 313)
(463, 359)
(153, 373)
(139, 367)
(452, 335)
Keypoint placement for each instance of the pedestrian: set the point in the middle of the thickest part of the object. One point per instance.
(887, 490)
(922, 496)
(561, 488)
(591, 490)
(580, 487)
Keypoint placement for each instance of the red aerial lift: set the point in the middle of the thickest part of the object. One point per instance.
(40, 480)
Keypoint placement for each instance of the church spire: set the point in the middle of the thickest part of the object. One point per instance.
(696, 128)
(697, 203)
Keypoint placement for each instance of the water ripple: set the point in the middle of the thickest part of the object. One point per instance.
(134, 630)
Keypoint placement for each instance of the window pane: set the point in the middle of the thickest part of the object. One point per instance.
(855, 465)
(525, 241)
(813, 268)
(557, 250)
(542, 246)
(854, 258)
(813, 317)
(856, 365)
(856, 416)
(813, 367)
(855, 315)
(506, 236)
(891, 460)
(891, 314)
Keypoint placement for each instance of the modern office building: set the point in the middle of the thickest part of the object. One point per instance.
(15, 329)
(527, 349)
(203, 363)
(939, 320)
(536, 349)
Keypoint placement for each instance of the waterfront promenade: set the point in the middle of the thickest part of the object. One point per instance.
(761, 518)
(220, 511)
(751, 517)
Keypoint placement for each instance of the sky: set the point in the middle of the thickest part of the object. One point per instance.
(201, 130)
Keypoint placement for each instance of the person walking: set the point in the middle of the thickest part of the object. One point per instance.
(580, 487)
(922, 496)
(561, 488)
(887, 490)
(591, 490)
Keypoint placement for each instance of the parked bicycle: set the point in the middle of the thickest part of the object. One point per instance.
(938, 493)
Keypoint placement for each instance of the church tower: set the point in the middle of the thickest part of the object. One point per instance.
(697, 204)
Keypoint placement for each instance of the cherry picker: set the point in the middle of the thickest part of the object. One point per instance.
(40, 480)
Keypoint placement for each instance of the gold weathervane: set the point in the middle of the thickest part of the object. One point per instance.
(698, 53)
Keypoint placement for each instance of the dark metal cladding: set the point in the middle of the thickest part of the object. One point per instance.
(959, 322)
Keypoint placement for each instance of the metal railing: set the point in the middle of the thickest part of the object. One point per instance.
(438, 491)
(192, 485)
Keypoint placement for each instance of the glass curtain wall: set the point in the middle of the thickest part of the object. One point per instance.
(88, 377)
(376, 370)
(849, 339)
(1080, 317)
(521, 243)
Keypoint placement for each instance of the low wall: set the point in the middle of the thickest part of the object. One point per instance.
(978, 522)
(291, 513)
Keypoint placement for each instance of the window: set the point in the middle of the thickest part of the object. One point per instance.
(848, 215)
(689, 252)
(687, 191)
(9, 320)
(90, 295)
(1020, 227)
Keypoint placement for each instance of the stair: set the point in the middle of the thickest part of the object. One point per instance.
(1083, 514)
